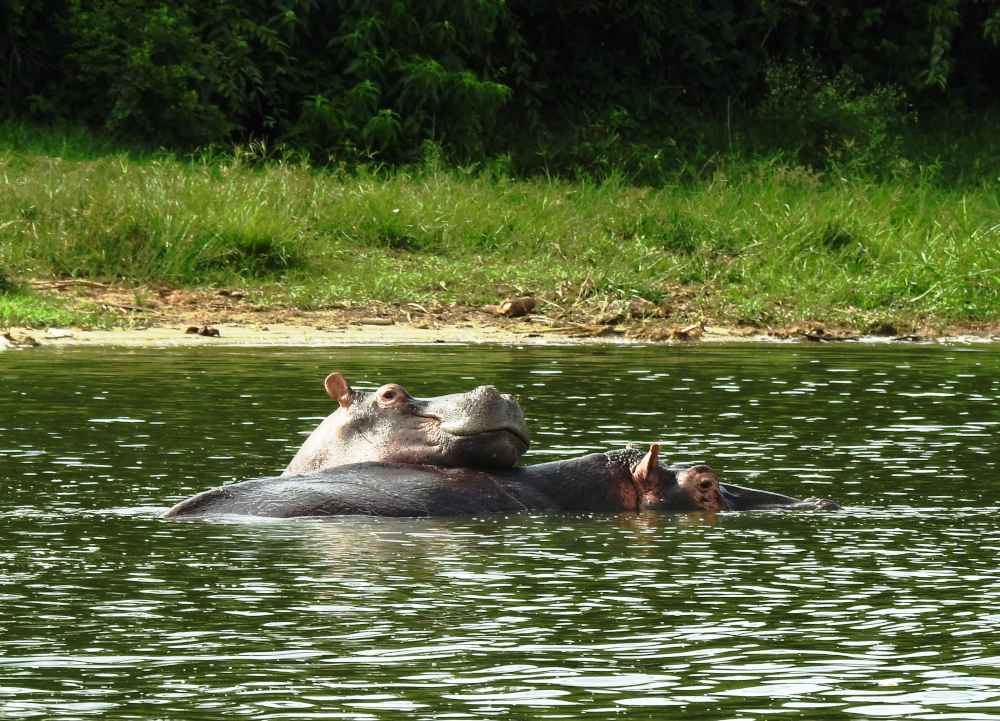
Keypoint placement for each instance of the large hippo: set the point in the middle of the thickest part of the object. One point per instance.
(621, 480)
(479, 429)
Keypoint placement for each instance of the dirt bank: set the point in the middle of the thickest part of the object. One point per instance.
(229, 317)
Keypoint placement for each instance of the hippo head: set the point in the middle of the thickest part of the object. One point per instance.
(676, 488)
(480, 429)
(696, 488)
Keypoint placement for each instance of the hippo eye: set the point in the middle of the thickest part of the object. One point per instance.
(388, 396)
(705, 485)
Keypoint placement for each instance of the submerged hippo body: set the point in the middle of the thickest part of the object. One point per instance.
(479, 429)
(623, 480)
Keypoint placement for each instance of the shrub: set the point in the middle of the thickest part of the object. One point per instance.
(401, 76)
(145, 60)
(6, 285)
(832, 123)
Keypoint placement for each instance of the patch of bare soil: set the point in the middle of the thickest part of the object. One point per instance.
(157, 316)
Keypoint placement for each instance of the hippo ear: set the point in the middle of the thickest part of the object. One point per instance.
(648, 464)
(339, 389)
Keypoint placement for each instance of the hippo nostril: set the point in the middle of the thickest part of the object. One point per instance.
(489, 392)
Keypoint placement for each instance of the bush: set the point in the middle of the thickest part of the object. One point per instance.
(6, 285)
(372, 79)
(834, 123)
(146, 61)
(402, 76)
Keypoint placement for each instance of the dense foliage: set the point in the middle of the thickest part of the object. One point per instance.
(355, 79)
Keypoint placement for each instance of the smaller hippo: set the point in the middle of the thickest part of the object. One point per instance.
(479, 429)
(622, 480)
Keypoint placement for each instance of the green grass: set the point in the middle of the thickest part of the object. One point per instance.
(755, 239)
(63, 141)
(31, 311)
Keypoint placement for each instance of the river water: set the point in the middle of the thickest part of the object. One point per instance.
(889, 608)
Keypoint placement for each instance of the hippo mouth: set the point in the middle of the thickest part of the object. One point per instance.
(517, 433)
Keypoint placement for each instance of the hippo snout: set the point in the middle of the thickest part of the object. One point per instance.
(487, 394)
(482, 410)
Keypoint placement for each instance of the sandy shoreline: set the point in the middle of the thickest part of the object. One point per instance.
(284, 334)
(232, 318)
(273, 334)
(289, 334)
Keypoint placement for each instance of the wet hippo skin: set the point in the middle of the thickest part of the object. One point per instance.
(622, 480)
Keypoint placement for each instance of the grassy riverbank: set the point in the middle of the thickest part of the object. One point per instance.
(740, 240)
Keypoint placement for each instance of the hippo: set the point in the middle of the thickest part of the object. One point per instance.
(479, 429)
(618, 480)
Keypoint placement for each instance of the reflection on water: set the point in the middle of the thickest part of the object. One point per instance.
(888, 609)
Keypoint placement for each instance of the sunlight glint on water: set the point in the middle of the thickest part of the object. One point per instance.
(887, 609)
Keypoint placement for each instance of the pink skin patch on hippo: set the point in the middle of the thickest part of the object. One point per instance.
(702, 485)
(646, 475)
(338, 389)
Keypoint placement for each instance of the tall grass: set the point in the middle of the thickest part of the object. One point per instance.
(760, 241)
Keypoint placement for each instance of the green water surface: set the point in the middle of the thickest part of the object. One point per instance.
(889, 608)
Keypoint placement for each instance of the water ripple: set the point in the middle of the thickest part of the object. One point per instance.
(887, 609)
